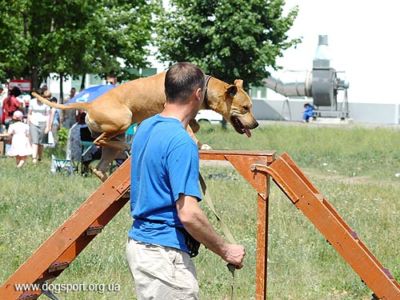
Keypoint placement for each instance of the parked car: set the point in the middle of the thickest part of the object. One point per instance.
(209, 116)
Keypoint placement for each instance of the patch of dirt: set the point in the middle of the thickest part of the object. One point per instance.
(215, 163)
(313, 173)
(347, 180)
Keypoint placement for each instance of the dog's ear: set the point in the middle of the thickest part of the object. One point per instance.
(231, 90)
(238, 83)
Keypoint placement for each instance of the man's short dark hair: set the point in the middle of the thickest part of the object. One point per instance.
(181, 80)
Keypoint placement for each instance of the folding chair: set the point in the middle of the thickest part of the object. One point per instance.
(63, 166)
(130, 133)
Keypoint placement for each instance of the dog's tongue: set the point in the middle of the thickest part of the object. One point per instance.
(247, 132)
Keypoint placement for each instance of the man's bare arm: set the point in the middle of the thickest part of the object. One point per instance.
(196, 223)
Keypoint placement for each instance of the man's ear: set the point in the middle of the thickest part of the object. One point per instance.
(199, 94)
(238, 83)
(231, 90)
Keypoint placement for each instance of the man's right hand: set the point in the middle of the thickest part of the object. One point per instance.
(234, 254)
(197, 224)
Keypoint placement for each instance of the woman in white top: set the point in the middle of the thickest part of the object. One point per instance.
(39, 126)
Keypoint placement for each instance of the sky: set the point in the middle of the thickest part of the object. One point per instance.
(363, 39)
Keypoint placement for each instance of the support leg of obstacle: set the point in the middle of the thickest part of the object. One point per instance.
(305, 196)
(242, 161)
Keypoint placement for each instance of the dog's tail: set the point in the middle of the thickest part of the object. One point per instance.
(76, 105)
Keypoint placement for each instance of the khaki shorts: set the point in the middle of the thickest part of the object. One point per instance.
(37, 134)
(161, 272)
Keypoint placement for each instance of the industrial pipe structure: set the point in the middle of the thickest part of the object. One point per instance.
(322, 84)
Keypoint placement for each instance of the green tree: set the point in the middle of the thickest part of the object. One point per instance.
(14, 45)
(227, 38)
(114, 38)
(121, 33)
(73, 37)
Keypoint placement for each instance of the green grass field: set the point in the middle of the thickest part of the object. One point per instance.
(353, 167)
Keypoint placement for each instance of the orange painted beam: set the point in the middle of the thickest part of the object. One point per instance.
(223, 154)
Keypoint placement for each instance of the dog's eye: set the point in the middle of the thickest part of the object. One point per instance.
(246, 108)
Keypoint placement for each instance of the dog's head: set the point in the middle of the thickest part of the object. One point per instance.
(233, 103)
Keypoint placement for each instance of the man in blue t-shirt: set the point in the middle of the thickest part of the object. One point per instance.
(165, 195)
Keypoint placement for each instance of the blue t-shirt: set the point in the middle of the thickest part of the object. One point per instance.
(165, 164)
(308, 112)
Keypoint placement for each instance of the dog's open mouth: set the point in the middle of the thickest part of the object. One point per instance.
(239, 127)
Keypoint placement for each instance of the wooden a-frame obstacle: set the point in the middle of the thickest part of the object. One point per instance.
(65, 244)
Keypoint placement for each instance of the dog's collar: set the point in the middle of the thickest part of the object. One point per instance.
(206, 79)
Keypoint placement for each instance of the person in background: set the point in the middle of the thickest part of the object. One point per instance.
(79, 133)
(3, 95)
(308, 112)
(55, 120)
(20, 144)
(26, 99)
(168, 221)
(74, 148)
(68, 117)
(10, 105)
(44, 87)
(111, 79)
(39, 125)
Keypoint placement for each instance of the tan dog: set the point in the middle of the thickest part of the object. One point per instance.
(113, 112)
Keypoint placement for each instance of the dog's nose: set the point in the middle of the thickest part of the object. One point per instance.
(255, 124)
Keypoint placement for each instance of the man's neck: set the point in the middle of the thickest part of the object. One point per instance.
(183, 113)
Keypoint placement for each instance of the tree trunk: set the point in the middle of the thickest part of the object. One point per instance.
(61, 87)
(83, 81)
(35, 78)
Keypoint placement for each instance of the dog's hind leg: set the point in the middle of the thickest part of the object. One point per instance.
(107, 157)
(110, 151)
(105, 140)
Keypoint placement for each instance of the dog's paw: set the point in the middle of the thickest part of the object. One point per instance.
(205, 147)
(101, 175)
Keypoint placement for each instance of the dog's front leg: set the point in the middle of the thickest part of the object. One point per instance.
(200, 145)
